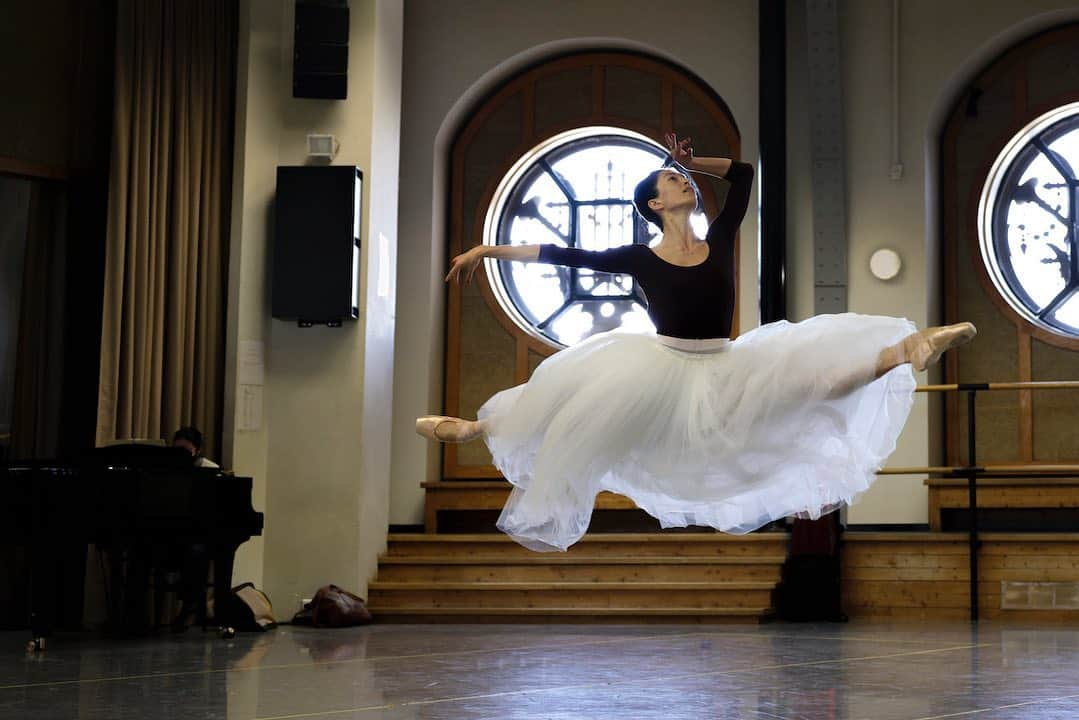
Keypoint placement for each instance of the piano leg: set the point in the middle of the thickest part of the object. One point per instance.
(43, 556)
(224, 601)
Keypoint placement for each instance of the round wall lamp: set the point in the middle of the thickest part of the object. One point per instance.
(885, 264)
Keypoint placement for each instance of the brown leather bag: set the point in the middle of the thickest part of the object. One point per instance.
(334, 607)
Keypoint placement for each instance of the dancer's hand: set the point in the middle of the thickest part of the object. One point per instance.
(464, 266)
(681, 150)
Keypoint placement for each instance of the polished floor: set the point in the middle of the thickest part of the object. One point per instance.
(563, 672)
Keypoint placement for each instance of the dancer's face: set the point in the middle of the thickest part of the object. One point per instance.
(673, 192)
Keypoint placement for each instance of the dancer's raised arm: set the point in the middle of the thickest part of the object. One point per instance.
(682, 153)
(738, 174)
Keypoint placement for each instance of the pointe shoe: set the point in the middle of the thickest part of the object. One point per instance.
(931, 343)
(441, 428)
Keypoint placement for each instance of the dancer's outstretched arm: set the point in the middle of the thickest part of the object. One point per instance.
(464, 266)
(621, 259)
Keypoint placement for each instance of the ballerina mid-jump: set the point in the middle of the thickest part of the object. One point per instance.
(696, 429)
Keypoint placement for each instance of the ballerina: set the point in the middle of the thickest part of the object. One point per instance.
(696, 429)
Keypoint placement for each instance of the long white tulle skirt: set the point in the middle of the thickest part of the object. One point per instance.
(786, 419)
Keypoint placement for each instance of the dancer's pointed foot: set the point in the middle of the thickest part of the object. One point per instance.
(441, 428)
(928, 345)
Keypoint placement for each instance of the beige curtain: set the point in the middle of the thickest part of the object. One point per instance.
(162, 340)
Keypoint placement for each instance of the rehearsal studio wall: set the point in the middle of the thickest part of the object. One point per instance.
(319, 453)
(719, 45)
(315, 398)
(941, 46)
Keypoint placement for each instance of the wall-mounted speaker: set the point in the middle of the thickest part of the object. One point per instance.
(316, 251)
(320, 50)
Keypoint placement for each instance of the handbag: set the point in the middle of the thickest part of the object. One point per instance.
(334, 607)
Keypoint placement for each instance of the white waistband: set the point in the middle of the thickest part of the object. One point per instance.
(702, 345)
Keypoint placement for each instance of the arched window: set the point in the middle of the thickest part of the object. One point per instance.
(574, 190)
(552, 156)
(1028, 221)
(1009, 158)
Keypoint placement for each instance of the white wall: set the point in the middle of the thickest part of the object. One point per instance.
(320, 457)
(941, 46)
(715, 39)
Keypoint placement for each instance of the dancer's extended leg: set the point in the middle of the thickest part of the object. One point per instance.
(449, 429)
(923, 348)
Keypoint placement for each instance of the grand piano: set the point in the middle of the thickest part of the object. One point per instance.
(120, 498)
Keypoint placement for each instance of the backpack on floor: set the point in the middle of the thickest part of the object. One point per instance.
(250, 609)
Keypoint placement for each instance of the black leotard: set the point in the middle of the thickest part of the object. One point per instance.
(686, 302)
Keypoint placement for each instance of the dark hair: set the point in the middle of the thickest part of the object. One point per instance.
(645, 191)
(191, 434)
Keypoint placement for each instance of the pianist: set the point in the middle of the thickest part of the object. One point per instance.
(190, 439)
(193, 558)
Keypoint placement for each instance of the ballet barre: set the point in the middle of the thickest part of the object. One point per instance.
(972, 471)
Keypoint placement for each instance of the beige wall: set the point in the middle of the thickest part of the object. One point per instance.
(441, 82)
(320, 457)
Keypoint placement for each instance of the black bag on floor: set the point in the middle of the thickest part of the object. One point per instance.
(249, 610)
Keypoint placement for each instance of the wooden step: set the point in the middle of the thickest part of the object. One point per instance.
(568, 559)
(581, 568)
(632, 577)
(581, 595)
(571, 615)
(605, 544)
(496, 586)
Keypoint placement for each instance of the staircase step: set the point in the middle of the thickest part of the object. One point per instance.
(660, 537)
(561, 568)
(590, 615)
(634, 545)
(569, 586)
(567, 559)
(604, 595)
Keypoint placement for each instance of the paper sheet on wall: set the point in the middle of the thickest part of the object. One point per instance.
(250, 408)
(252, 363)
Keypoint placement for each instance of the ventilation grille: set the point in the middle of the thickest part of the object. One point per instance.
(1039, 595)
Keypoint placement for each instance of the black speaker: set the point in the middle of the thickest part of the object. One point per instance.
(316, 253)
(320, 51)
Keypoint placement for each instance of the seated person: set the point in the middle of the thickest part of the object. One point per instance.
(190, 439)
(193, 559)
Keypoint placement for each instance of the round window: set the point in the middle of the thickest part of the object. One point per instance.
(1027, 222)
(574, 190)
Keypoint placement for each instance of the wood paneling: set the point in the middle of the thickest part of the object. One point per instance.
(927, 576)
